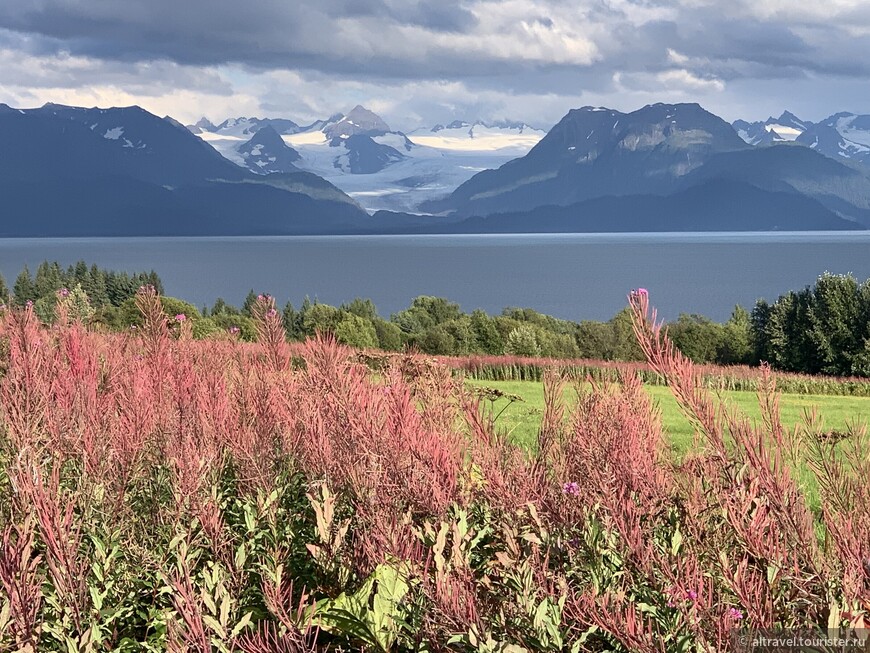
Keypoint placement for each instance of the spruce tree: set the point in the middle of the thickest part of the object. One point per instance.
(24, 289)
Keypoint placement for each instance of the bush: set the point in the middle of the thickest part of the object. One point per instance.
(356, 332)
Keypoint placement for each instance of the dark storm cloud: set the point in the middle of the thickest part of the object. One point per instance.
(263, 33)
(378, 36)
(474, 53)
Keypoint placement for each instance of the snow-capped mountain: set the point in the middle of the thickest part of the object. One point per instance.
(71, 171)
(842, 136)
(788, 127)
(480, 136)
(360, 121)
(379, 167)
(243, 127)
(267, 152)
(595, 151)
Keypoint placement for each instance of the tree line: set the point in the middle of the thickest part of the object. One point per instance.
(822, 329)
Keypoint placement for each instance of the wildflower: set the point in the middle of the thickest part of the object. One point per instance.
(181, 317)
(692, 594)
(571, 488)
(735, 614)
(63, 292)
(29, 304)
(133, 327)
(234, 330)
(271, 312)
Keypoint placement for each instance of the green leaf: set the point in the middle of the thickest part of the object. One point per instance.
(96, 598)
(244, 622)
(241, 556)
(676, 542)
(214, 625)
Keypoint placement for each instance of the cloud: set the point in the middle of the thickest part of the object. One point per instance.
(431, 60)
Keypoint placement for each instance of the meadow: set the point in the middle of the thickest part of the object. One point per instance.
(521, 409)
(162, 493)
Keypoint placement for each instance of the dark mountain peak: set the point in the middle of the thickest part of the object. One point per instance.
(837, 116)
(359, 121)
(788, 117)
(267, 152)
(456, 124)
(53, 106)
(204, 124)
(590, 109)
(363, 154)
(267, 133)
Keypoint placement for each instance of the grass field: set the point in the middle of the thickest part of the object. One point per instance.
(522, 418)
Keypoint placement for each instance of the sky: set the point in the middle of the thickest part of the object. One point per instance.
(422, 62)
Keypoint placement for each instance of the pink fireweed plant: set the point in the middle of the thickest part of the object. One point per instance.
(164, 493)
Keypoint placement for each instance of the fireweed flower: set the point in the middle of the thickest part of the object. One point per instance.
(692, 594)
(571, 488)
(735, 614)
(29, 304)
(181, 317)
(63, 292)
(271, 312)
(234, 330)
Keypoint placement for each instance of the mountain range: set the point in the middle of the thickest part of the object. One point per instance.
(69, 171)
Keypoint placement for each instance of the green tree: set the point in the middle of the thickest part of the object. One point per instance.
(487, 338)
(736, 346)
(24, 289)
(48, 279)
(321, 318)
(523, 341)
(594, 340)
(424, 313)
(389, 335)
(290, 319)
(363, 308)
(356, 331)
(624, 345)
(437, 341)
(697, 337)
(834, 329)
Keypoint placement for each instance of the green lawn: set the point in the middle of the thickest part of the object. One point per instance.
(521, 419)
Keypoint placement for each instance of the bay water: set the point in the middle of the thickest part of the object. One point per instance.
(572, 276)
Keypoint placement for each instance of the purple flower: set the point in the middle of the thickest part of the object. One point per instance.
(571, 488)
(735, 614)
(234, 330)
(692, 594)
(181, 317)
(63, 292)
(271, 312)
(29, 304)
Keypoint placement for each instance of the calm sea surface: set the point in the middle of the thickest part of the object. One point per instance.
(584, 276)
